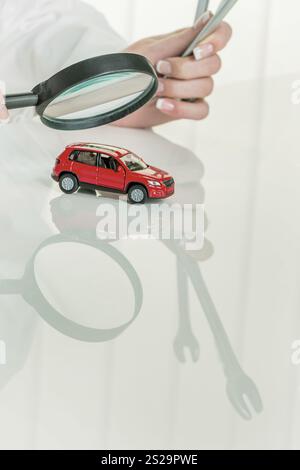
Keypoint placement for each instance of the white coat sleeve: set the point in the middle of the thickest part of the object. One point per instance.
(40, 37)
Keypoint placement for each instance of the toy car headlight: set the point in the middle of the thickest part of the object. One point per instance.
(154, 183)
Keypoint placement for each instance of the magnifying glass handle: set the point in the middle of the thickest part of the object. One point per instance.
(22, 100)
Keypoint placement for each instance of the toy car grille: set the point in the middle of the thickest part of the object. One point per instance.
(169, 182)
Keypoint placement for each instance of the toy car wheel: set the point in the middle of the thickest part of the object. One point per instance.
(68, 183)
(137, 194)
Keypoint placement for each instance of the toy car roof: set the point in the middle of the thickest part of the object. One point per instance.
(116, 151)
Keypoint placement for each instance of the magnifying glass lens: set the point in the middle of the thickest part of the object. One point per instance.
(99, 96)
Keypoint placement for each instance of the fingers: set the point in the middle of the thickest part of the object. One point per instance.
(198, 88)
(174, 44)
(181, 78)
(163, 111)
(146, 117)
(169, 45)
(188, 68)
(183, 110)
(185, 68)
(220, 38)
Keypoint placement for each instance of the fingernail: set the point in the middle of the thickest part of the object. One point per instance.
(163, 67)
(165, 105)
(161, 87)
(202, 20)
(205, 50)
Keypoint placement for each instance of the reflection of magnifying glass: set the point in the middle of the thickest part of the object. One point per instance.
(28, 287)
(91, 93)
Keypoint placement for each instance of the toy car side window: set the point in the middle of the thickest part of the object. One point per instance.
(105, 161)
(87, 158)
(102, 161)
(108, 162)
(73, 156)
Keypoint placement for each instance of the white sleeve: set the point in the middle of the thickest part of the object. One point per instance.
(40, 37)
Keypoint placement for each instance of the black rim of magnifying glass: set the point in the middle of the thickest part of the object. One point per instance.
(86, 70)
(28, 288)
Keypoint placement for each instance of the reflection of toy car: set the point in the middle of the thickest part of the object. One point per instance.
(113, 169)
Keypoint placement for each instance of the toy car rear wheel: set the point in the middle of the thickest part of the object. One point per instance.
(68, 183)
(137, 194)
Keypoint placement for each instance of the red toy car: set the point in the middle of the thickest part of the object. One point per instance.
(112, 169)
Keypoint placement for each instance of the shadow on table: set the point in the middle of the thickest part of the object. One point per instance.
(75, 218)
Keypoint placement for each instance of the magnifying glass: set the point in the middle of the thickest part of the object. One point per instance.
(92, 92)
(29, 288)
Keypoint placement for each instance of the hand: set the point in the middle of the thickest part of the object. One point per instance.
(4, 116)
(179, 78)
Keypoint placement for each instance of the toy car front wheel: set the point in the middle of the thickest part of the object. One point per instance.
(68, 183)
(137, 194)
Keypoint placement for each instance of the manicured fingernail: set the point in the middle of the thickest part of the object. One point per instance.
(163, 67)
(202, 20)
(205, 50)
(161, 87)
(165, 105)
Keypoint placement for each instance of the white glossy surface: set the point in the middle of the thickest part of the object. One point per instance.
(132, 391)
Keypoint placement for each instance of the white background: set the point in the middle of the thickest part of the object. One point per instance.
(243, 162)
